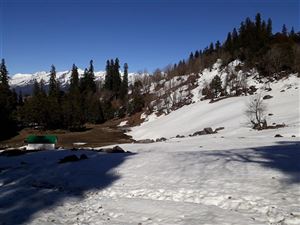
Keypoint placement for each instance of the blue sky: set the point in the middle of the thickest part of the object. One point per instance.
(145, 34)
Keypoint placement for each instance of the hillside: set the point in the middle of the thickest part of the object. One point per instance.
(229, 113)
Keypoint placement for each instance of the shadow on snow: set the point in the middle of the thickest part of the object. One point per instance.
(284, 157)
(36, 181)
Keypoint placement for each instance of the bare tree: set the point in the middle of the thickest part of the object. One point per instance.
(256, 111)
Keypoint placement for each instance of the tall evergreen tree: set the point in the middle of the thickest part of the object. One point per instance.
(53, 84)
(74, 81)
(116, 78)
(7, 105)
(91, 85)
(284, 30)
(269, 28)
(258, 22)
(124, 86)
(228, 43)
(108, 76)
(217, 45)
(4, 75)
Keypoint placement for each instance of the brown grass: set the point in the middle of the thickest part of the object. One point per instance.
(94, 136)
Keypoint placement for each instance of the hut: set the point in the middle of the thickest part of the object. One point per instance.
(38, 142)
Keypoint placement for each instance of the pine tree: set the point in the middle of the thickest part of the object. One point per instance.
(258, 22)
(191, 58)
(91, 78)
(269, 28)
(228, 43)
(124, 85)
(234, 40)
(218, 45)
(36, 88)
(53, 85)
(74, 81)
(3, 75)
(116, 78)
(108, 76)
(284, 30)
(7, 105)
(211, 47)
(292, 32)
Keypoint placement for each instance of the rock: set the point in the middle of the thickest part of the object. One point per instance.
(270, 114)
(69, 158)
(145, 141)
(280, 125)
(116, 149)
(282, 91)
(179, 136)
(219, 128)
(83, 156)
(208, 130)
(293, 136)
(267, 97)
(202, 132)
(161, 139)
(278, 135)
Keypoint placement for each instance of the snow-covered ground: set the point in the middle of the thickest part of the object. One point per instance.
(237, 176)
(229, 113)
(196, 180)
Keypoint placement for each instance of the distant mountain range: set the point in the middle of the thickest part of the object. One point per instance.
(24, 82)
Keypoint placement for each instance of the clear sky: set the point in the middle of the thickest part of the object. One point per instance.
(143, 33)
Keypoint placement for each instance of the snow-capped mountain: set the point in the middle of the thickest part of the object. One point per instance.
(24, 82)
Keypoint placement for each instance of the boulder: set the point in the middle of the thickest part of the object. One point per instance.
(69, 158)
(278, 135)
(161, 139)
(208, 130)
(201, 132)
(179, 136)
(116, 149)
(83, 156)
(267, 97)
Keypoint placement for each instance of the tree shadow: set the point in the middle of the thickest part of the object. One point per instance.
(36, 181)
(283, 157)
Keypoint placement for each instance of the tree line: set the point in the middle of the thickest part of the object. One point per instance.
(84, 101)
(253, 43)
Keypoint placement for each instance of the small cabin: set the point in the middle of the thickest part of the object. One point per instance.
(45, 142)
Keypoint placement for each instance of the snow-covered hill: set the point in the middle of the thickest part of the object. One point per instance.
(228, 113)
(194, 113)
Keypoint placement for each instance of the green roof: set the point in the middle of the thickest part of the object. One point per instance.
(35, 139)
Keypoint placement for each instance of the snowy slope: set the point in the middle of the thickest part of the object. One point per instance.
(228, 113)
